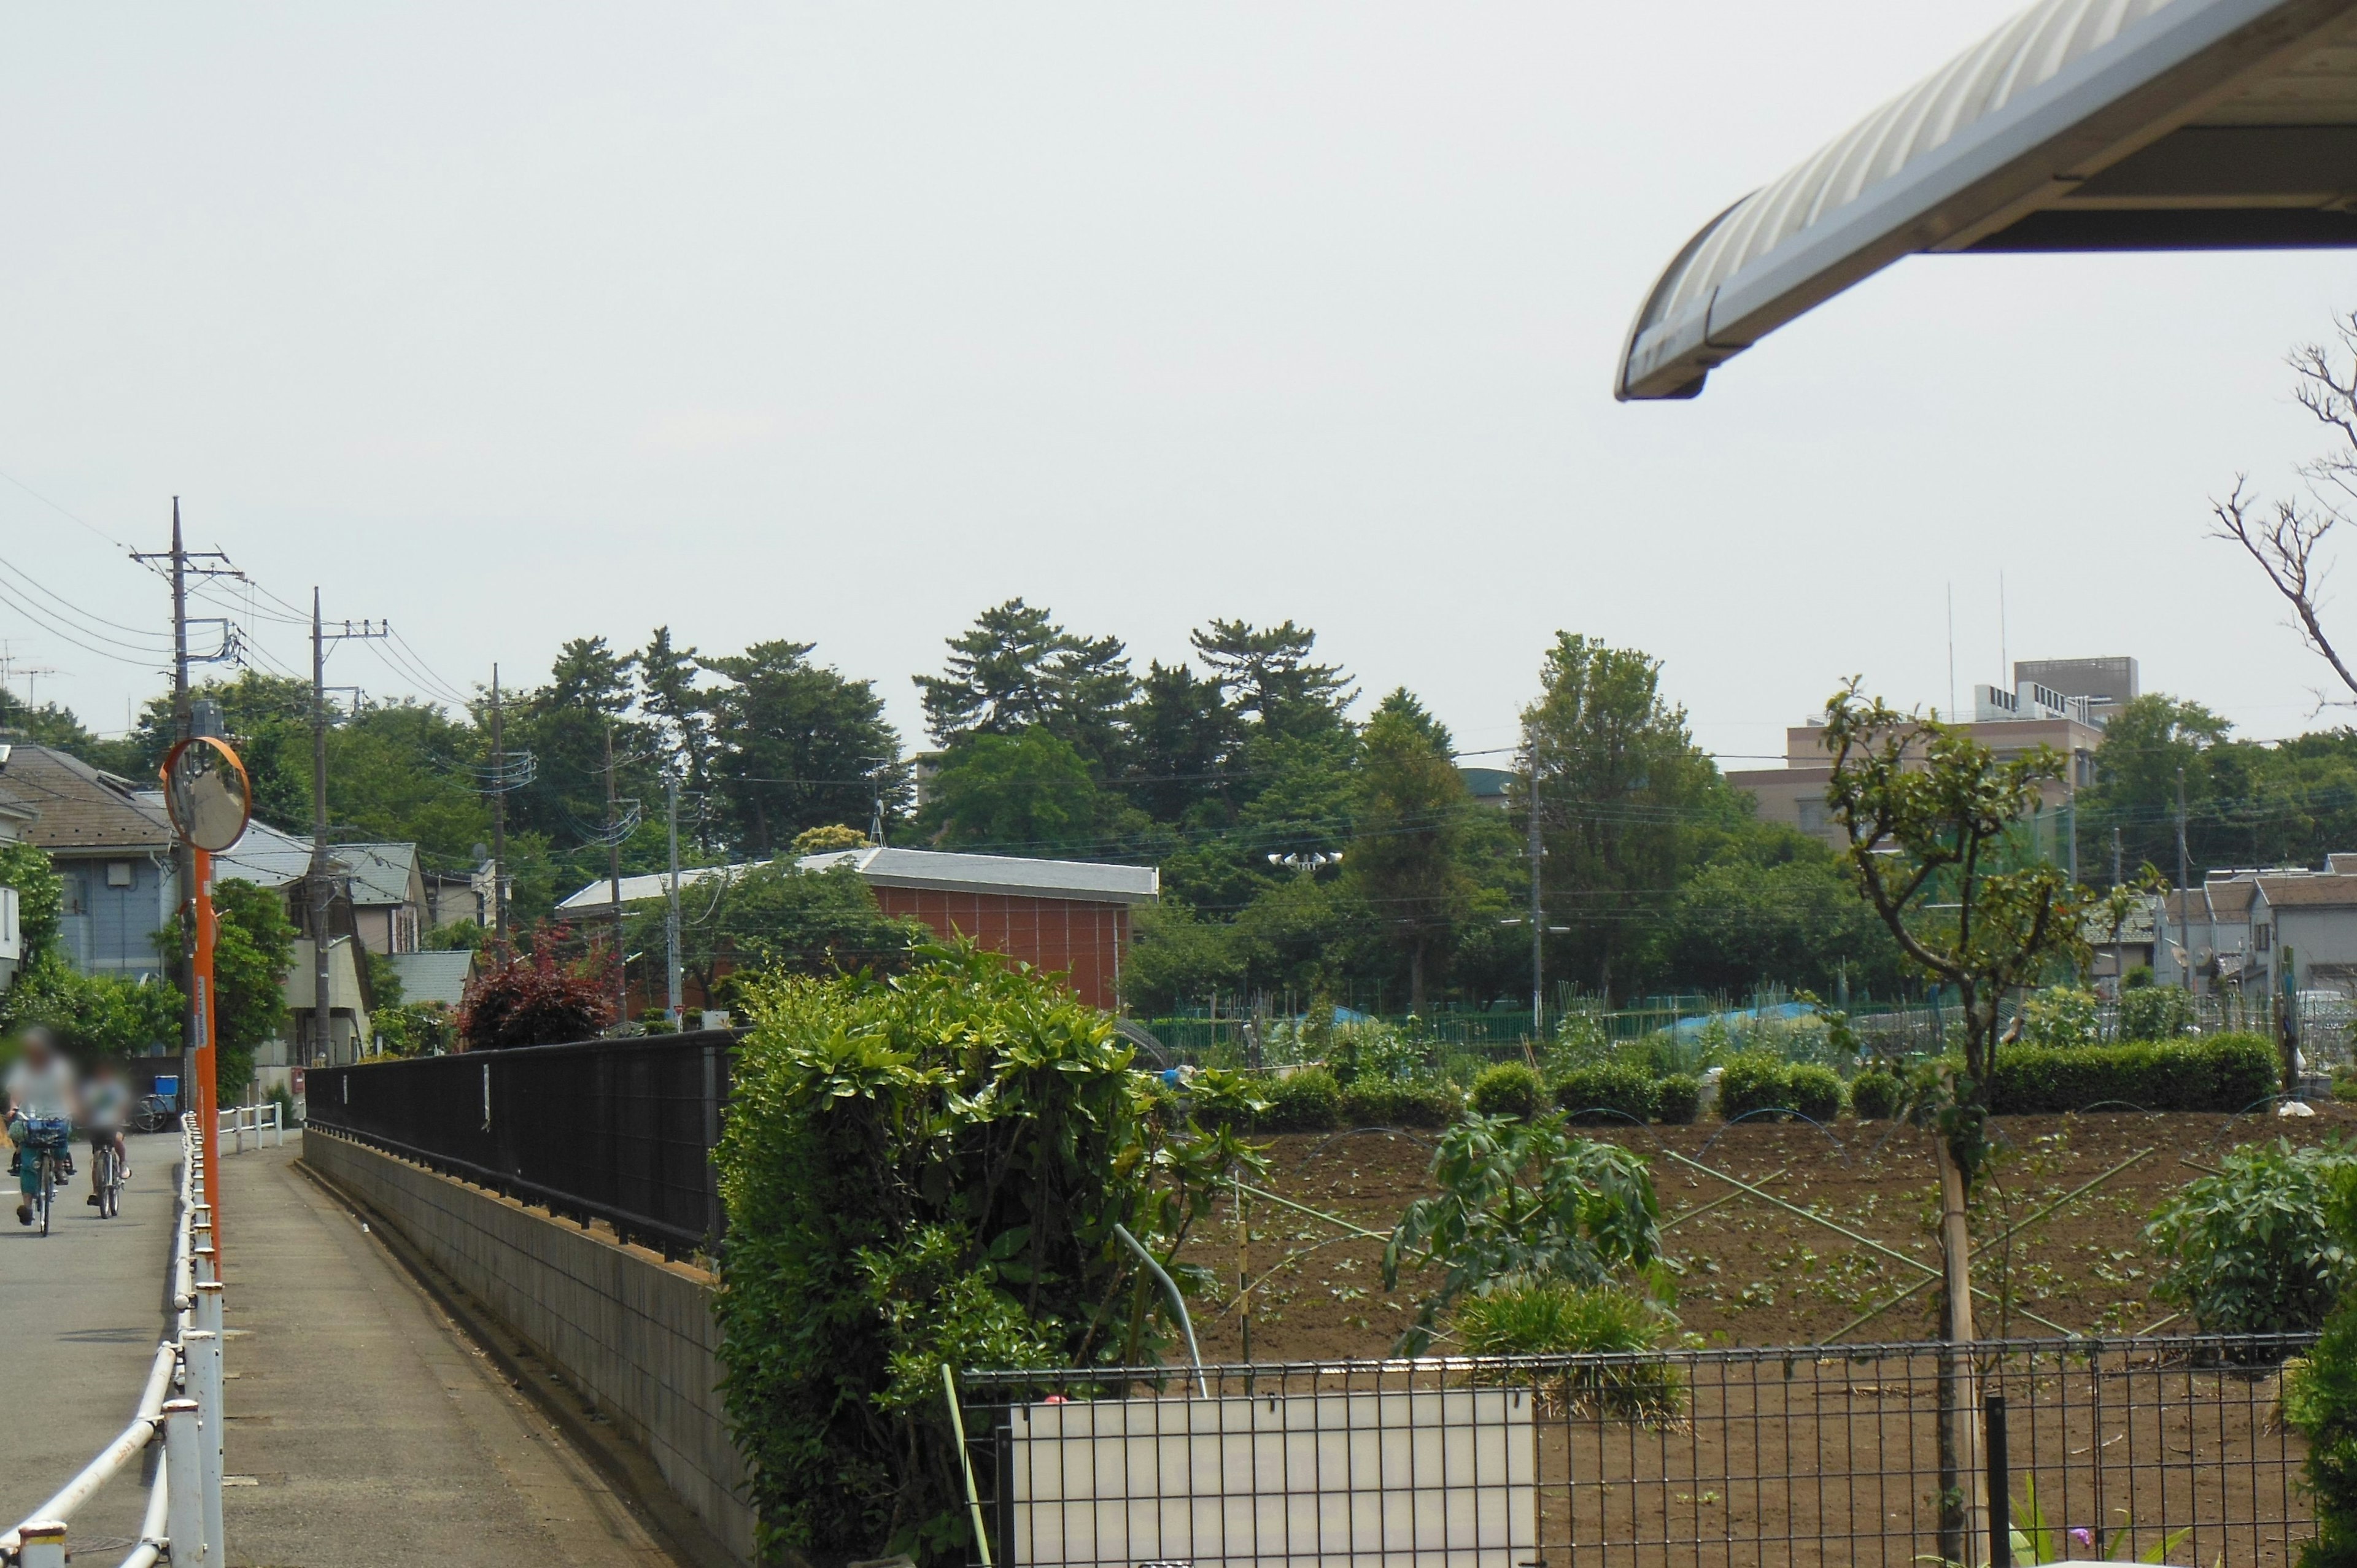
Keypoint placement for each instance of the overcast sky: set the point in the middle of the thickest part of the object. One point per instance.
(838, 323)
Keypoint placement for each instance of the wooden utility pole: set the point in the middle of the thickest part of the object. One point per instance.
(322, 880)
(1538, 922)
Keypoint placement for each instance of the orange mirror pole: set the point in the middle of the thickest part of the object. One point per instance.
(208, 1095)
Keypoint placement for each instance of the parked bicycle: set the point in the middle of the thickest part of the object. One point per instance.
(106, 1179)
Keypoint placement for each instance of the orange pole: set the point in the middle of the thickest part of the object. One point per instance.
(208, 1087)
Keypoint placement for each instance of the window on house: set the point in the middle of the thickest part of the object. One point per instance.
(73, 895)
(118, 873)
(2263, 938)
(1812, 816)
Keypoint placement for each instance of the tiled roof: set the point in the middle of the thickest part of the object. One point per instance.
(1084, 880)
(82, 809)
(433, 976)
(2311, 890)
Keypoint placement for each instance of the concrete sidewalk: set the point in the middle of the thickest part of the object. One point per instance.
(363, 1428)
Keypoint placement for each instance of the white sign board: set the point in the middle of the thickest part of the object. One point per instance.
(12, 941)
(1433, 1478)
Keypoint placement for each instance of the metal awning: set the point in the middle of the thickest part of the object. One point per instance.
(2079, 126)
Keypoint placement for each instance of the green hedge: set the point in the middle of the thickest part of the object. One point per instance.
(1305, 1101)
(1678, 1099)
(1509, 1088)
(1379, 1102)
(1607, 1088)
(2218, 1072)
(1759, 1080)
(1876, 1095)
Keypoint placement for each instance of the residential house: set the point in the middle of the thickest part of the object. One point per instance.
(1067, 915)
(15, 818)
(2304, 927)
(1487, 786)
(2208, 930)
(112, 844)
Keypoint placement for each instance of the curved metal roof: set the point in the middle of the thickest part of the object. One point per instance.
(2079, 125)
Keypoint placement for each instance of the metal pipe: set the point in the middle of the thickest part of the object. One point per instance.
(152, 1525)
(184, 1480)
(1177, 1304)
(205, 1381)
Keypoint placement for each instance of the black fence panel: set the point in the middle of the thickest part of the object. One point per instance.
(614, 1130)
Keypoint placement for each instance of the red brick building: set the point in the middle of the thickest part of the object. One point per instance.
(1070, 916)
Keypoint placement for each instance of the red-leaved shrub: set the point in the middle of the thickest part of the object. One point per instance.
(534, 1001)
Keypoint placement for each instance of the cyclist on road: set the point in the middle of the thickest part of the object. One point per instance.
(40, 1088)
(105, 1107)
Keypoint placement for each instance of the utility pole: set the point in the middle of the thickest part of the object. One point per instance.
(670, 910)
(322, 878)
(614, 883)
(499, 824)
(1538, 923)
(2117, 877)
(2184, 897)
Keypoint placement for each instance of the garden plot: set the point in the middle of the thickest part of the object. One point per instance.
(1751, 1273)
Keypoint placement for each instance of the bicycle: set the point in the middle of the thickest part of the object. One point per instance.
(45, 1142)
(106, 1175)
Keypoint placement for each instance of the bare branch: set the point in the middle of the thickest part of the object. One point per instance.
(2285, 548)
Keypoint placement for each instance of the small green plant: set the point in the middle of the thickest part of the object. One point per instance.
(2036, 1540)
(1509, 1088)
(1308, 1100)
(2250, 1251)
(1550, 1317)
(1606, 1094)
(1521, 1202)
(1876, 1095)
(2155, 1013)
(1678, 1099)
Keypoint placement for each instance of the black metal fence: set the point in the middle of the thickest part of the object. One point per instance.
(2164, 1450)
(620, 1131)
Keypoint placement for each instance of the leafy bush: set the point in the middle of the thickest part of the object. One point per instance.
(2061, 1016)
(1304, 1101)
(2218, 1072)
(2249, 1250)
(1522, 1202)
(534, 1001)
(1751, 1081)
(1814, 1091)
(1876, 1095)
(1550, 1318)
(875, 1232)
(2155, 1013)
(1587, 1091)
(1509, 1088)
(2319, 1400)
(1377, 1102)
(1379, 1052)
(1678, 1099)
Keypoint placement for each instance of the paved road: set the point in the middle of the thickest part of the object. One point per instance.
(368, 1428)
(82, 1311)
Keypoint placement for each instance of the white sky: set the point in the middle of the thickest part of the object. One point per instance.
(839, 322)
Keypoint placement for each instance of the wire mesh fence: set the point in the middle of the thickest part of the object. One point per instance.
(2165, 1450)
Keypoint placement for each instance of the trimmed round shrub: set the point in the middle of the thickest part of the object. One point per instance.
(1305, 1101)
(1509, 1088)
(1876, 1095)
(1606, 1094)
(1749, 1082)
(1374, 1102)
(1814, 1091)
(2217, 1072)
(2155, 1013)
(1678, 1099)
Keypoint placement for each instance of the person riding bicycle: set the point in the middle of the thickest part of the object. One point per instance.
(40, 1087)
(105, 1109)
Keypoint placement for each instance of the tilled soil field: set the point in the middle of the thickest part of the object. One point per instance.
(1753, 1273)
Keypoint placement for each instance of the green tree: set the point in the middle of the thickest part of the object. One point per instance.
(778, 918)
(1015, 670)
(55, 726)
(253, 947)
(2145, 746)
(398, 772)
(1183, 743)
(1775, 906)
(1403, 861)
(1268, 673)
(1015, 794)
(268, 718)
(1629, 806)
(799, 746)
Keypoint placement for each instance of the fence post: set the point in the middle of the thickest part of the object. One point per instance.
(203, 1349)
(43, 1544)
(2000, 1487)
(183, 1483)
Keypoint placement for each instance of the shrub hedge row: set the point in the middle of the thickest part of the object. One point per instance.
(1759, 1081)
(1614, 1093)
(1312, 1100)
(2217, 1072)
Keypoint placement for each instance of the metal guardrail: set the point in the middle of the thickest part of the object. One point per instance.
(620, 1131)
(239, 1121)
(183, 1519)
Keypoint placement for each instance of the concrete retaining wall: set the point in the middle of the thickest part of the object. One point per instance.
(633, 1333)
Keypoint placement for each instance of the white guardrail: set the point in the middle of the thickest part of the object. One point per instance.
(239, 1121)
(184, 1507)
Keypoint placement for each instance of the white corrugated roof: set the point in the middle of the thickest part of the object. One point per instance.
(2079, 126)
(1085, 880)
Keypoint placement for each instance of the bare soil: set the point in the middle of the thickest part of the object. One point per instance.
(1753, 1273)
